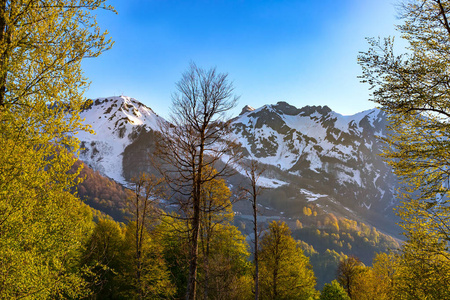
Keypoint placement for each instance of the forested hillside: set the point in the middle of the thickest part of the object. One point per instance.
(101, 193)
(325, 238)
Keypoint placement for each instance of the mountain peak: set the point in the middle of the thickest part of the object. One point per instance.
(117, 121)
(286, 109)
(308, 110)
(246, 109)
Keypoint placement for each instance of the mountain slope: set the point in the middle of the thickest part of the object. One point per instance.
(313, 156)
(117, 122)
(321, 152)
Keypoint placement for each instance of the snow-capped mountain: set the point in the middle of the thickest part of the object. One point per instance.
(321, 152)
(312, 154)
(117, 122)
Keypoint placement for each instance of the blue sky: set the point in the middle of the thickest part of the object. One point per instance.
(303, 52)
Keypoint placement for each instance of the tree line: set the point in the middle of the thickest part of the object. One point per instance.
(149, 257)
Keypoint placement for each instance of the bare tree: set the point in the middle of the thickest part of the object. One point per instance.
(254, 170)
(192, 146)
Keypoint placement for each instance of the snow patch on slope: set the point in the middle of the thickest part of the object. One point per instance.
(114, 120)
(310, 196)
(262, 181)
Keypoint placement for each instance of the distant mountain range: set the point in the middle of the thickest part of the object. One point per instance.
(313, 156)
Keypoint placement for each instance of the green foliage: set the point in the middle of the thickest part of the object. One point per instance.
(173, 236)
(42, 226)
(348, 274)
(285, 272)
(347, 236)
(325, 265)
(333, 291)
(413, 89)
(110, 255)
(422, 266)
(396, 276)
(145, 274)
(223, 254)
(384, 270)
(224, 270)
(154, 280)
(338, 238)
(228, 267)
(103, 257)
(400, 276)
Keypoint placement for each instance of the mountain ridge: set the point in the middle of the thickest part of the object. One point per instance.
(310, 151)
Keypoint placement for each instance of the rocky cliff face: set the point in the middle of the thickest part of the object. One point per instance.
(320, 152)
(312, 154)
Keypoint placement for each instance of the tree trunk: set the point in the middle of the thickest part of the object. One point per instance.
(5, 40)
(193, 263)
(208, 232)
(138, 248)
(192, 279)
(276, 264)
(255, 231)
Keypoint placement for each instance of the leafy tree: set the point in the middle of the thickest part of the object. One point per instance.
(228, 270)
(215, 211)
(143, 207)
(366, 285)
(224, 269)
(173, 235)
(401, 276)
(103, 257)
(189, 144)
(325, 264)
(333, 291)
(413, 89)
(422, 267)
(348, 273)
(42, 226)
(285, 270)
(228, 266)
(117, 271)
(144, 275)
(385, 268)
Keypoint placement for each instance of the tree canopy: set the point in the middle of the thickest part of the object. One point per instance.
(285, 272)
(42, 225)
(413, 88)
